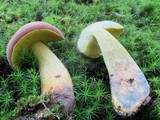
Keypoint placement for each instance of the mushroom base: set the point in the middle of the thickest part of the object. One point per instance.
(123, 113)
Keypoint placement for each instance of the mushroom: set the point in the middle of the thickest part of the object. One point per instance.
(55, 78)
(129, 87)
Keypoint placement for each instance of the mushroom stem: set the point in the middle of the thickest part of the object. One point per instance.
(129, 87)
(55, 78)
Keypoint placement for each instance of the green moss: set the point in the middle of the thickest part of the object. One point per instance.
(141, 37)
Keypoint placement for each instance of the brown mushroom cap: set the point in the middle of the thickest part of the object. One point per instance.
(28, 34)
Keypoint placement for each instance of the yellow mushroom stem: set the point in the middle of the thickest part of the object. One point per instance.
(55, 78)
(129, 87)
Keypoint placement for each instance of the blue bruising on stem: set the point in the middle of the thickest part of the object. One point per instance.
(129, 92)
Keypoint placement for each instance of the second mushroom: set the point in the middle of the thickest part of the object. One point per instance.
(55, 78)
(129, 87)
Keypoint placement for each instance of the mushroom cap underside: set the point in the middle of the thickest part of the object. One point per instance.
(27, 35)
(87, 43)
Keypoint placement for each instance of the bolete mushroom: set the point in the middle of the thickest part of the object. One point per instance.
(55, 78)
(129, 87)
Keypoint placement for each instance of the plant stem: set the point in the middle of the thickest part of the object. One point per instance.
(129, 86)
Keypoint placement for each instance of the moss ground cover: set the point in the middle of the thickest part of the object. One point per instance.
(141, 37)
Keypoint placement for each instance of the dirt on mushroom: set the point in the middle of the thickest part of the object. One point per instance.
(42, 110)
